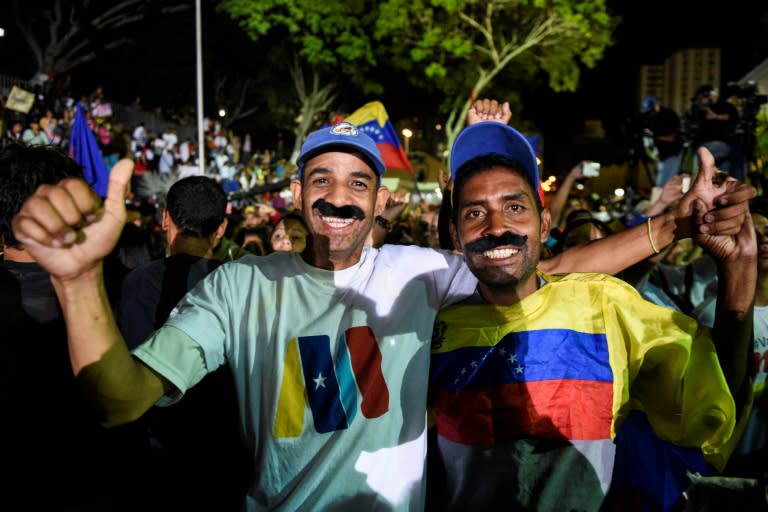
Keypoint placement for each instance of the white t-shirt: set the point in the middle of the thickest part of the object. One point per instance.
(331, 370)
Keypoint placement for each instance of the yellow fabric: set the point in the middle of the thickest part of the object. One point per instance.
(372, 110)
(662, 362)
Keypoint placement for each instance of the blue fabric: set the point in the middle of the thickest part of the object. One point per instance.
(84, 149)
(650, 474)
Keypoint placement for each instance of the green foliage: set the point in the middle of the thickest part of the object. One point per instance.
(332, 36)
(463, 45)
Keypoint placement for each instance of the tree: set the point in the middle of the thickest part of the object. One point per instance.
(314, 102)
(64, 34)
(331, 38)
(232, 94)
(459, 47)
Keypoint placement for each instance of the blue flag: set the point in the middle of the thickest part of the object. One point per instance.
(84, 149)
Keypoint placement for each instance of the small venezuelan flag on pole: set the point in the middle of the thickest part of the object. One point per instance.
(373, 120)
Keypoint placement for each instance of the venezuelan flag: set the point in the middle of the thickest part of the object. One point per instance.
(526, 384)
(372, 119)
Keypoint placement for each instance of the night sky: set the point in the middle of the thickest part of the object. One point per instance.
(161, 66)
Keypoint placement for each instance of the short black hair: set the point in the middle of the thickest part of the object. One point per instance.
(22, 170)
(483, 163)
(197, 205)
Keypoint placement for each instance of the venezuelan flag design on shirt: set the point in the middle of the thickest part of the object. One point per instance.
(527, 399)
(525, 384)
(329, 384)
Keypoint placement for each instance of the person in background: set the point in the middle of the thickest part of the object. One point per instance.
(13, 134)
(664, 128)
(290, 234)
(33, 135)
(581, 227)
(563, 204)
(254, 240)
(47, 421)
(196, 449)
(713, 122)
(533, 376)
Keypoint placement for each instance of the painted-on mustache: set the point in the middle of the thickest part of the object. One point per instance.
(489, 242)
(326, 209)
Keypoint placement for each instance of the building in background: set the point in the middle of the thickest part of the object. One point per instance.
(675, 82)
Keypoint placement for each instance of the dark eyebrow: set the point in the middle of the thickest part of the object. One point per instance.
(509, 197)
(362, 174)
(319, 170)
(355, 174)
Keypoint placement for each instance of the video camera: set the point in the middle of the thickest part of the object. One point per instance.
(750, 99)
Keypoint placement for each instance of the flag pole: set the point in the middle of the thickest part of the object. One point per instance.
(200, 129)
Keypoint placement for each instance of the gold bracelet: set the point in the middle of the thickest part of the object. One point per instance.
(650, 237)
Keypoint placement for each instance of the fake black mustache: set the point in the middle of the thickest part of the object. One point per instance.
(326, 209)
(489, 242)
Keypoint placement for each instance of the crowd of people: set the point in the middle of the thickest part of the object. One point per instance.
(343, 347)
(230, 157)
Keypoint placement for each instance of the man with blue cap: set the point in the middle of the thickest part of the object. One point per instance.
(329, 349)
(534, 375)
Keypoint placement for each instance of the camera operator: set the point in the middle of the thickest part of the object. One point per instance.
(663, 125)
(714, 123)
(748, 102)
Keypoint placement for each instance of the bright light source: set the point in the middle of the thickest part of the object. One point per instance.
(579, 186)
(438, 127)
(407, 133)
(619, 192)
(222, 112)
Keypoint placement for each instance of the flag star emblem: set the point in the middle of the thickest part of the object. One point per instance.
(518, 369)
(512, 358)
(503, 351)
(473, 364)
(319, 381)
(463, 371)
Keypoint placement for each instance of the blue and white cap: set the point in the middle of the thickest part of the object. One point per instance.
(343, 135)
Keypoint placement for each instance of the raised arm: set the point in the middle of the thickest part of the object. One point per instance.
(736, 258)
(68, 231)
(724, 203)
(557, 206)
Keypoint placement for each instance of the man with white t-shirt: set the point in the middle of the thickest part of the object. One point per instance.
(329, 348)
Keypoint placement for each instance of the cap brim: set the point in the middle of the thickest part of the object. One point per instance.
(373, 160)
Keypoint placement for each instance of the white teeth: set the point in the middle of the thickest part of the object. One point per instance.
(337, 222)
(498, 254)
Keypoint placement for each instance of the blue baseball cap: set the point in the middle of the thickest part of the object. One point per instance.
(648, 104)
(493, 138)
(342, 135)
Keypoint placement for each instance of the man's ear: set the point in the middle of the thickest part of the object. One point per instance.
(546, 224)
(222, 229)
(296, 188)
(382, 196)
(455, 236)
(166, 220)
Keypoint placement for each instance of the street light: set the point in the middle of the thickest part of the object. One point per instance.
(407, 134)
